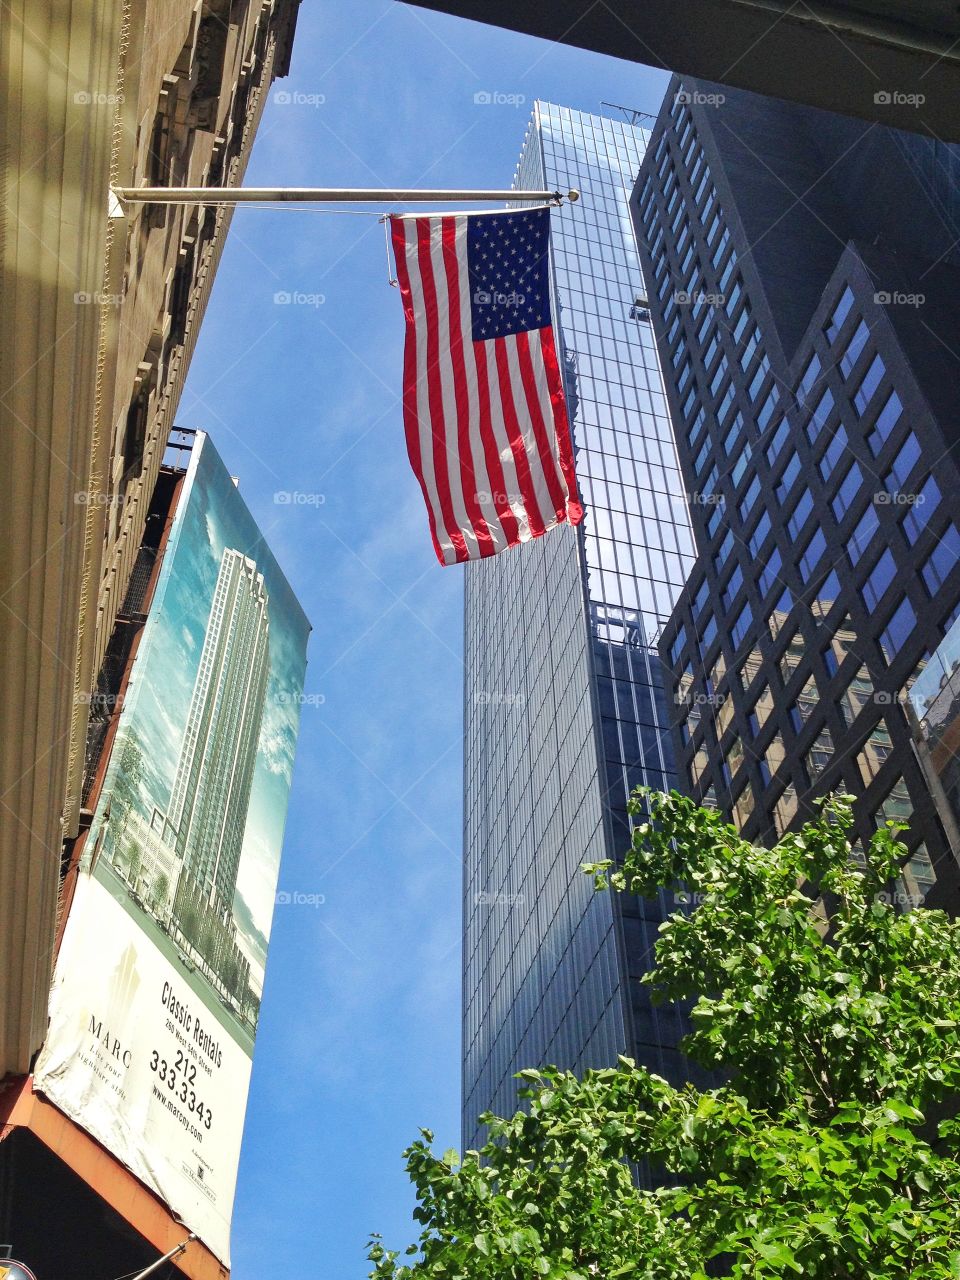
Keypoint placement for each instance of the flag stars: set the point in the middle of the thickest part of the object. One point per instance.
(507, 264)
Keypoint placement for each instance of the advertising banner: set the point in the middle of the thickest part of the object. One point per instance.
(157, 989)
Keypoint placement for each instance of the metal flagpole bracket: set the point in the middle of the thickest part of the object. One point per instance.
(320, 195)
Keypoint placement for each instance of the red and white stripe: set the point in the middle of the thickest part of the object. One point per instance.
(486, 422)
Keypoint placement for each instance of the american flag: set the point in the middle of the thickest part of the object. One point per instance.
(483, 403)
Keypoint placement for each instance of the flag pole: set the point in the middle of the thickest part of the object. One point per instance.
(310, 195)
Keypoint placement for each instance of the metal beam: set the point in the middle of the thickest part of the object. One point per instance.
(310, 195)
(893, 62)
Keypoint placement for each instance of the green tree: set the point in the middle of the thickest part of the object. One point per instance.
(830, 1153)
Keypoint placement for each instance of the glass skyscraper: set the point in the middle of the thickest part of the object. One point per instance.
(564, 702)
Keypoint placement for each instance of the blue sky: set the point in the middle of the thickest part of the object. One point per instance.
(360, 1028)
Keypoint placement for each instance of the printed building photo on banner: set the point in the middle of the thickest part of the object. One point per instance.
(159, 980)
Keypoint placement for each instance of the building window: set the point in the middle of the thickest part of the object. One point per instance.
(820, 414)
(770, 572)
(850, 486)
(792, 657)
(713, 521)
(728, 270)
(805, 705)
(784, 809)
(709, 632)
(857, 695)
(830, 660)
(834, 451)
(790, 473)
(853, 348)
(862, 535)
(879, 580)
(721, 247)
(698, 766)
(886, 420)
(723, 407)
(760, 711)
(919, 511)
(780, 437)
(734, 583)
(819, 754)
(750, 349)
(742, 625)
(758, 537)
(766, 412)
(739, 468)
(942, 559)
(874, 753)
(809, 379)
(743, 807)
(749, 498)
(798, 517)
(723, 552)
(902, 465)
(734, 756)
(774, 755)
(897, 631)
(712, 349)
(718, 377)
(842, 309)
(869, 384)
(828, 593)
(777, 617)
(896, 806)
(756, 382)
(811, 554)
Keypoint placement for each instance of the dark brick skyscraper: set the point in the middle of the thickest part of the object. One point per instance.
(803, 274)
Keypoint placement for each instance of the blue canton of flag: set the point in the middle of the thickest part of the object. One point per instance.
(507, 265)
